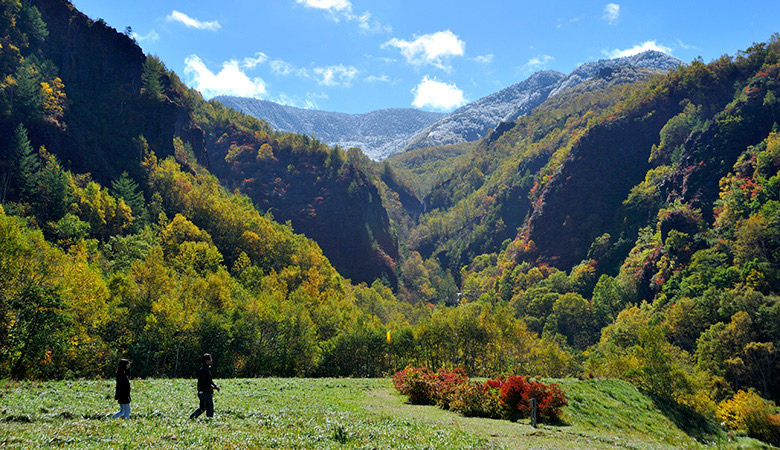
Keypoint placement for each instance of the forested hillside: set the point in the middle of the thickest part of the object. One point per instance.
(115, 94)
(645, 212)
(627, 228)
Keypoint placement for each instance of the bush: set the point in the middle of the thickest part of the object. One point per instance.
(765, 427)
(451, 389)
(416, 383)
(425, 387)
(516, 393)
(477, 400)
(445, 385)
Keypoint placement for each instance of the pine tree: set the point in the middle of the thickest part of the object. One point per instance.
(53, 192)
(26, 164)
(127, 189)
(33, 24)
(150, 78)
(28, 96)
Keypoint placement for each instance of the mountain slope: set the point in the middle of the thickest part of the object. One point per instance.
(377, 133)
(585, 197)
(650, 59)
(103, 74)
(487, 194)
(120, 101)
(472, 121)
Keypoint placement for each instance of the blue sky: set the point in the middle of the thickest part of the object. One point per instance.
(356, 56)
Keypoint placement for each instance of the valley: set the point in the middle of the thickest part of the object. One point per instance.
(616, 225)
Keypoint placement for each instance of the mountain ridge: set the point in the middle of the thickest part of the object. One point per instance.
(385, 132)
(377, 132)
(476, 118)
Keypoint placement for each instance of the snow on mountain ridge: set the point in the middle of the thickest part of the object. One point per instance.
(385, 132)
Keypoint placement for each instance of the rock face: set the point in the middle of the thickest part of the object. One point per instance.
(101, 69)
(378, 133)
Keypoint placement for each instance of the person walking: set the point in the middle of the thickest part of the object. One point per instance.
(122, 393)
(206, 389)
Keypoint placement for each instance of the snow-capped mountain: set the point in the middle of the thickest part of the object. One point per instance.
(385, 132)
(472, 121)
(378, 133)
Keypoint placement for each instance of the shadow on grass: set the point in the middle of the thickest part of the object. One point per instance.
(688, 420)
(525, 420)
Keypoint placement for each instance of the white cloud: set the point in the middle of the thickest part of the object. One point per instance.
(537, 63)
(327, 5)
(176, 16)
(151, 36)
(637, 49)
(280, 67)
(484, 59)
(685, 46)
(562, 23)
(377, 79)
(430, 48)
(342, 9)
(611, 13)
(229, 81)
(251, 63)
(369, 25)
(335, 75)
(437, 95)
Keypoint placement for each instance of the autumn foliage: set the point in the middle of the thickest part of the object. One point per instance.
(498, 398)
(747, 412)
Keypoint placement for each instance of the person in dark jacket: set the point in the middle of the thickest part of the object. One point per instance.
(122, 394)
(206, 389)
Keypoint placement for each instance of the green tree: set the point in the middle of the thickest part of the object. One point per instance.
(53, 194)
(127, 189)
(26, 164)
(28, 96)
(572, 317)
(31, 306)
(150, 77)
(33, 24)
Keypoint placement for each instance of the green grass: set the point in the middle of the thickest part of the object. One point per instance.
(315, 413)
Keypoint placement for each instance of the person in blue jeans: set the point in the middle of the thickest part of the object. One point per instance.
(206, 389)
(122, 393)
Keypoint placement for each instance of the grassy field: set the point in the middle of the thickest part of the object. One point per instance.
(327, 413)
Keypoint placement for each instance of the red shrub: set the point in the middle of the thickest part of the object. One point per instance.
(445, 383)
(451, 389)
(517, 392)
(417, 383)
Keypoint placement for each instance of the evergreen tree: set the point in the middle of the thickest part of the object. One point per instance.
(33, 24)
(53, 190)
(28, 97)
(26, 164)
(150, 78)
(126, 188)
